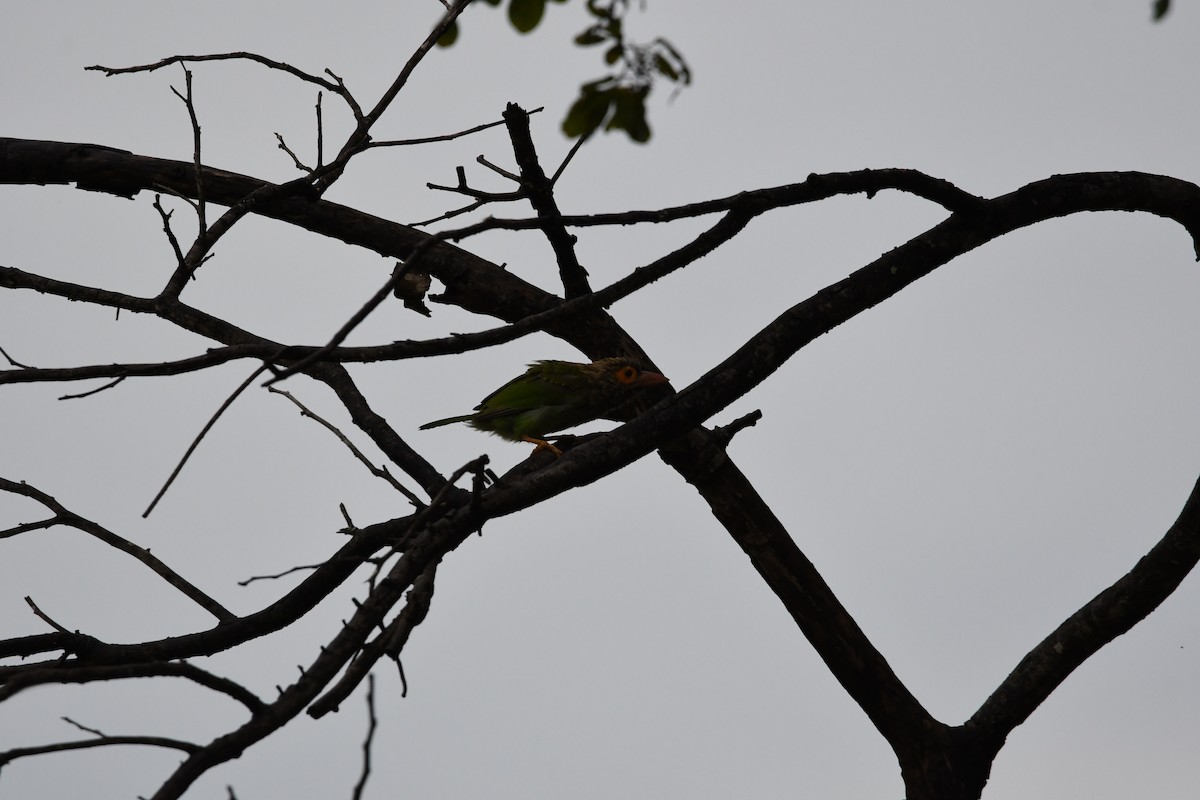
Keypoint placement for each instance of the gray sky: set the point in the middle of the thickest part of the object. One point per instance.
(966, 464)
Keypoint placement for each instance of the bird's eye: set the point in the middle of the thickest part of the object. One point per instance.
(627, 374)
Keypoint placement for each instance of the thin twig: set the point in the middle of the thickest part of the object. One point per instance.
(278, 575)
(372, 723)
(512, 176)
(724, 434)
(13, 361)
(43, 616)
(91, 392)
(445, 137)
(300, 165)
(64, 516)
(201, 213)
(378, 472)
(195, 442)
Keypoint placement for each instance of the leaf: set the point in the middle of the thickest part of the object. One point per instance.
(614, 53)
(526, 14)
(596, 10)
(593, 35)
(664, 66)
(589, 109)
(449, 36)
(629, 114)
(1161, 7)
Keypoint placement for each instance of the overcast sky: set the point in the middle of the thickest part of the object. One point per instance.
(966, 464)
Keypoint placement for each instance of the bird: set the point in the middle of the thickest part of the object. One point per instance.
(553, 395)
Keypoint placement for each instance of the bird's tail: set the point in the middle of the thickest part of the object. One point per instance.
(437, 423)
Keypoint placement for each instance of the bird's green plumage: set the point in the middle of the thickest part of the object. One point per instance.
(554, 395)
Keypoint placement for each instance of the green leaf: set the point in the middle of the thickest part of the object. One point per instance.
(614, 53)
(449, 36)
(1161, 7)
(664, 66)
(629, 114)
(589, 109)
(526, 14)
(593, 35)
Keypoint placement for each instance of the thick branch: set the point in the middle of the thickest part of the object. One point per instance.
(1105, 617)
(541, 196)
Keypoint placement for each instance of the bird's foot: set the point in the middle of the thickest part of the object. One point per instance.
(542, 444)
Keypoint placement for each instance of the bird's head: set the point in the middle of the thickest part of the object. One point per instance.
(621, 373)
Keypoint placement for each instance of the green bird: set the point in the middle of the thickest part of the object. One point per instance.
(554, 395)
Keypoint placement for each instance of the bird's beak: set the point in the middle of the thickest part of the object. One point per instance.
(650, 379)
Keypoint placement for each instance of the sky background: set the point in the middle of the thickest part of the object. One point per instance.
(966, 464)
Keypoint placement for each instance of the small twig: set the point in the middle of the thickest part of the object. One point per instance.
(724, 434)
(320, 132)
(345, 94)
(378, 472)
(166, 221)
(445, 137)
(195, 442)
(8, 756)
(300, 165)
(187, 99)
(350, 526)
(403, 678)
(570, 155)
(44, 617)
(82, 727)
(91, 392)
(278, 575)
(476, 466)
(13, 361)
(372, 723)
(499, 170)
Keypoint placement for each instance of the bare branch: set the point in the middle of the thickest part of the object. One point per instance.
(63, 516)
(196, 442)
(1102, 619)
(372, 723)
(540, 190)
(8, 756)
(378, 472)
(724, 434)
(445, 137)
(88, 674)
(336, 88)
(111, 384)
(187, 98)
(359, 139)
(389, 643)
(43, 616)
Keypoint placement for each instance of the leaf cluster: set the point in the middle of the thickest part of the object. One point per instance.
(617, 100)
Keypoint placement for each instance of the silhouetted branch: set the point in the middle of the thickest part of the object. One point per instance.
(378, 472)
(336, 87)
(1103, 618)
(196, 441)
(388, 643)
(372, 724)
(63, 516)
(23, 680)
(540, 190)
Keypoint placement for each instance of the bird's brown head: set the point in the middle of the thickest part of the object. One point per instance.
(626, 373)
